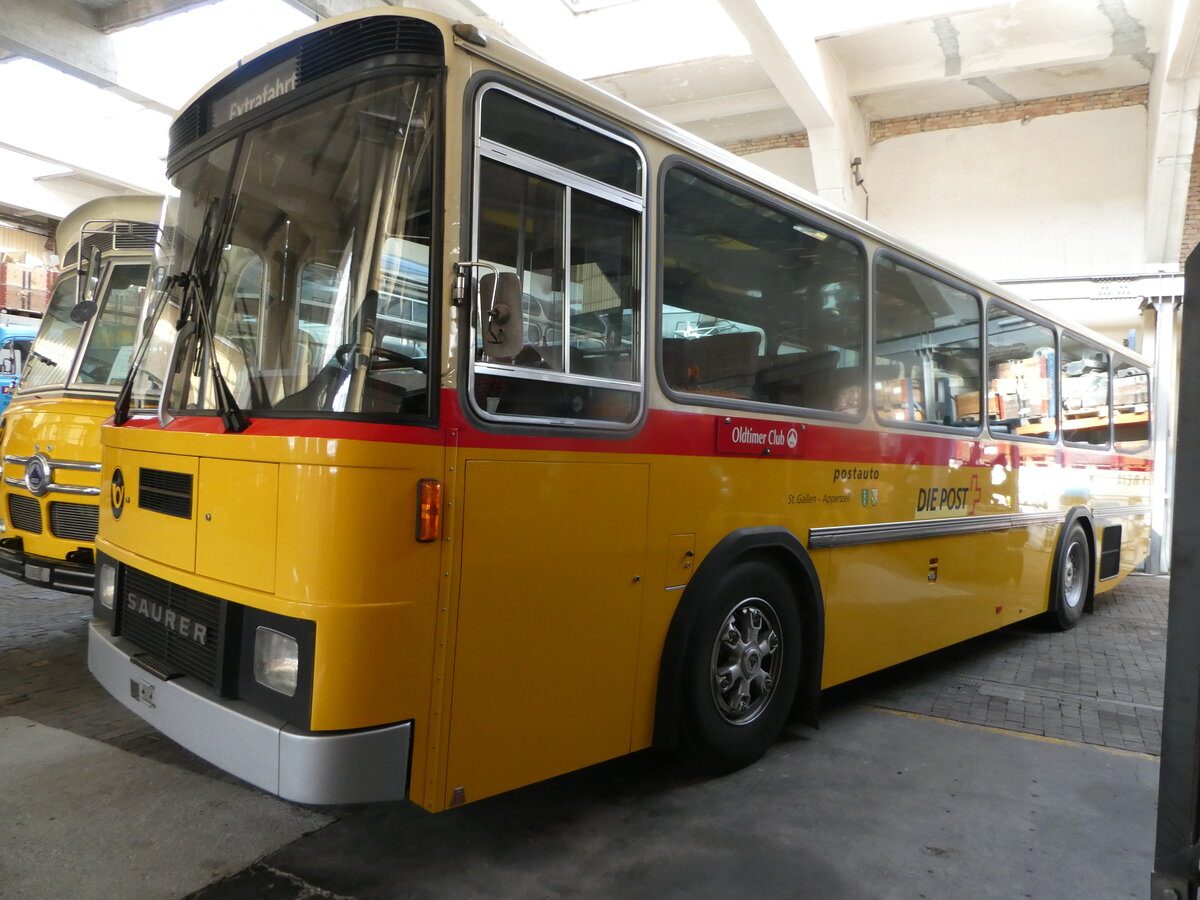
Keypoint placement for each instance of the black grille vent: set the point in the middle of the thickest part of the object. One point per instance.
(1110, 552)
(176, 625)
(25, 513)
(74, 521)
(135, 236)
(186, 128)
(353, 42)
(118, 235)
(169, 493)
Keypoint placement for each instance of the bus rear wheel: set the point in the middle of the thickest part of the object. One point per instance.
(742, 668)
(1072, 579)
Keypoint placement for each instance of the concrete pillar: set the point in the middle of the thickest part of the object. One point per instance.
(1166, 312)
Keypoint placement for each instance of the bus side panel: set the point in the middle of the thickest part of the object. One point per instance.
(547, 631)
(889, 602)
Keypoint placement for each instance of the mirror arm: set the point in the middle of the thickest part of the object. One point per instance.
(459, 293)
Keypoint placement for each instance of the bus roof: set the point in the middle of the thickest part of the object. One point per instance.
(121, 207)
(639, 120)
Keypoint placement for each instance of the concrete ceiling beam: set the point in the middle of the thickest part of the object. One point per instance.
(62, 35)
(1020, 59)
(812, 83)
(138, 12)
(718, 107)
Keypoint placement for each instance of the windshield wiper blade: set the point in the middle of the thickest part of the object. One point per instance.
(206, 257)
(198, 291)
(44, 358)
(231, 414)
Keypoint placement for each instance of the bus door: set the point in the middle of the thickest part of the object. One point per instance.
(553, 541)
(548, 616)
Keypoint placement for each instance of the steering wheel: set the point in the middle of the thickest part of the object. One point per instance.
(382, 354)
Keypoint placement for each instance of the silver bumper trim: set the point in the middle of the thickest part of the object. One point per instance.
(304, 767)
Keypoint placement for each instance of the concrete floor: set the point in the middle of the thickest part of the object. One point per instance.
(1019, 765)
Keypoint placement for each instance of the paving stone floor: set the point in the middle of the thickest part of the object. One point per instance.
(44, 676)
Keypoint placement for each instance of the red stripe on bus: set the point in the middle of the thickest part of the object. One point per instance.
(671, 433)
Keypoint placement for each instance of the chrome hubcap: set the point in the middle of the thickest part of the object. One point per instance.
(1073, 585)
(746, 658)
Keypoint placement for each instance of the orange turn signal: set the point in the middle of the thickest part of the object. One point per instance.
(429, 510)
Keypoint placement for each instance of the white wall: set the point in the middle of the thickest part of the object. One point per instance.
(1051, 196)
(792, 163)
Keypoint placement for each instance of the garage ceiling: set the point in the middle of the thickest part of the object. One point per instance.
(90, 85)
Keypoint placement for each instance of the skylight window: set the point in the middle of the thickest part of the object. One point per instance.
(585, 6)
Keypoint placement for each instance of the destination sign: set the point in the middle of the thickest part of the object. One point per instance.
(250, 95)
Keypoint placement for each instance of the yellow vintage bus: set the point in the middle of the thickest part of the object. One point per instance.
(49, 495)
(491, 428)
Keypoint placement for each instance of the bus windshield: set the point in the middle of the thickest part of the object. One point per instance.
(106, 339)
(317, 295)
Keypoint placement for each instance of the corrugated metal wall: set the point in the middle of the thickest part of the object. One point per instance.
(24, 247)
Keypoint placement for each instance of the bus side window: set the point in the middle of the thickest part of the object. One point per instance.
(1131, 407)
(927, 348)
(1020, 361)
(760, 303)
(567, 231)
(1086, 390)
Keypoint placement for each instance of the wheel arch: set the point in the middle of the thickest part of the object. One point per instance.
(784, 549)
(1082, 516)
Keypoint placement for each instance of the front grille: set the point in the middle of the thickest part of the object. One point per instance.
(25, 513)
(178, 626)
(74, 521)
(169, 493)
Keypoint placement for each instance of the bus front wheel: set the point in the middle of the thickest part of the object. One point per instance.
(742, 668)
(1072, 579)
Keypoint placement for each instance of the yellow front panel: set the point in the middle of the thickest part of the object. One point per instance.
(169, 540)
(63, 429)
(347, 535)
(545, 655)
(236, 510)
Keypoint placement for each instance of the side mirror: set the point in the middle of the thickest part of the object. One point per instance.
(86, 284)
(502, 315)
(82, 311)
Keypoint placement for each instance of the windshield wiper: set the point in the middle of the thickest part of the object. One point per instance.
(157, 306)
(197, 284)
(47, 360)
(202, 296)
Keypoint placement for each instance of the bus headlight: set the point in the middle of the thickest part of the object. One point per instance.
(276, 660)
(106, 584)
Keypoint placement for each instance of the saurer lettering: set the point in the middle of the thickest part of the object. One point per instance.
(168, 618)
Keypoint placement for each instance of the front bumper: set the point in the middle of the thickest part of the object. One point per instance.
(305, 767)
(58, 574)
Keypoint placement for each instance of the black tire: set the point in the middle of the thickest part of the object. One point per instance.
(741, 668)
(1071, 584)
